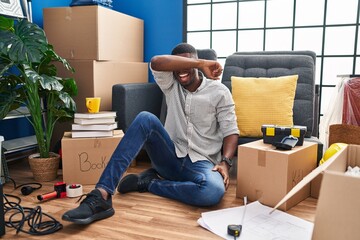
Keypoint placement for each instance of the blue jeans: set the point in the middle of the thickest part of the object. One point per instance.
(185, 181)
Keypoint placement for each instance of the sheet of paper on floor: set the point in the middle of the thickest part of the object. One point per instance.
(258, 223)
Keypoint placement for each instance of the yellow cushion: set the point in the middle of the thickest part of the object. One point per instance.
(261, 101)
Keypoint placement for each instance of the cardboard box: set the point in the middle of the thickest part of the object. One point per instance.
(338, 210)
(96, 79)
(267, 174)
(94, 33)
(274, 133)
(84, 159)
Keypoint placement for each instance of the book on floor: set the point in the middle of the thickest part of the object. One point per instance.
(94, 127)
(87, 134)
(84, 121)
(102, 114)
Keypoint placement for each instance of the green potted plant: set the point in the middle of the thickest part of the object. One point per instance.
(28, 77)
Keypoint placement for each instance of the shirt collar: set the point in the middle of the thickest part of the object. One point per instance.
(203, 80)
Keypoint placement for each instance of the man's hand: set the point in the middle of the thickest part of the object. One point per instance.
(223, 169)
(211, 69)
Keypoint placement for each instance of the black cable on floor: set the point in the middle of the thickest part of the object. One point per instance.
(28, 220)
(27, 188)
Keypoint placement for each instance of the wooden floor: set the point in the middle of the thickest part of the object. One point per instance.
(137, 215)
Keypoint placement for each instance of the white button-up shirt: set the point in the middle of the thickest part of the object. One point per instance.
(198, 121)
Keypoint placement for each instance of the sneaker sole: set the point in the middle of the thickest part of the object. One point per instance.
(95, 217)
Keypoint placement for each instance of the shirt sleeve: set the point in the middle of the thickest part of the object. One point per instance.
(226, 114)
(165, 80)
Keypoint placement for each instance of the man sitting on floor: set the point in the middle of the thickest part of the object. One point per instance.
(190, 155)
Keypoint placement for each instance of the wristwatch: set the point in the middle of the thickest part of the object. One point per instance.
(227, 160)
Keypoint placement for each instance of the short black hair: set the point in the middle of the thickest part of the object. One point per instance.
(184, 48)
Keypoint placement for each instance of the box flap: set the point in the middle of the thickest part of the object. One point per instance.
(308, 178)
(337, 211)
(353, 155)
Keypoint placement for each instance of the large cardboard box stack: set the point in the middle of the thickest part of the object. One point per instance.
(104, 46)
(84, 159)
(267, 175)
(338, 209)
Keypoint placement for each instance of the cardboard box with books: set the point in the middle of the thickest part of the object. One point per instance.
(267, 175)
(84, 159)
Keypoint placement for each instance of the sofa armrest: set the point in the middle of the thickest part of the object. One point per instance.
(315, 131)
(130, 99)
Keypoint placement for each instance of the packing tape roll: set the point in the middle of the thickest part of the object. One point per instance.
(74, 190)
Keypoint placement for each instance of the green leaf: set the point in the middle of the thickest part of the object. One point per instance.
(50, 83)
(31, 74)
(56, 57)
(10, 95)
(4, 66)
(46, 66)
(70, 86)
(6, 23)
(64, 106)
(26, 44)
(69, 103)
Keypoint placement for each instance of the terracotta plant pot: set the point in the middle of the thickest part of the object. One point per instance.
(44, 169)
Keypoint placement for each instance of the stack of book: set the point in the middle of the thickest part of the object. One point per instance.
(101, 124)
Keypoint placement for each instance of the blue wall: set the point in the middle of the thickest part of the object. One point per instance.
(38, 5)
(14, 128)
(163, 20)
(163, 26)
(163, 23)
